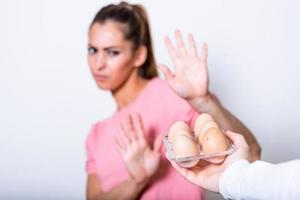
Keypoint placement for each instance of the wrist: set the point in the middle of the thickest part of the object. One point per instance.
(139, 185)
(136, 172)
(206, 104)
(255, 153)
(139, 178)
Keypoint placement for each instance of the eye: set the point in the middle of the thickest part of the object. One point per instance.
(113, 52)
(92, 50)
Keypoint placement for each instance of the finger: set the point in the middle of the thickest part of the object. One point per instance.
(157, 143)
(192, 45)
(122, 134)
(166, 71)
(131, 128)
(180, 44)
(203, 56)
(237, 139)
(171, 49)
(139, 126)
(120, 146)
(203, 163)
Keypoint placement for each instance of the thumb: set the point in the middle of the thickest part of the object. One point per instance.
(119, 146)
(166, 71)
(237, 139)
(203, 56)
(157, 143)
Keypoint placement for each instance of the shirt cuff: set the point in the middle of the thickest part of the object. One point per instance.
(229, 181)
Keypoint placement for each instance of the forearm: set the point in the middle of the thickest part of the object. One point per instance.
(227, 121)
(127, 190)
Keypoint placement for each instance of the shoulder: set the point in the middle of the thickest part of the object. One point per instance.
(164, 98)
(160, 89)
(158, 83)
(97, 128)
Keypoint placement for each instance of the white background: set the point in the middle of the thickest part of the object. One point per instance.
(48, 99)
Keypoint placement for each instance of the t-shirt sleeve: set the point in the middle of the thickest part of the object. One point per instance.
(176, 105)
(90, 165)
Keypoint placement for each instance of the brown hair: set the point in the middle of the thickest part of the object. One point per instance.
(137, 30)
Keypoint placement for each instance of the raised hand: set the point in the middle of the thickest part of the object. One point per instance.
(141, 161)
(190, 78)
(207, 175)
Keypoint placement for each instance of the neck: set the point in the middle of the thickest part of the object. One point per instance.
(129, 91)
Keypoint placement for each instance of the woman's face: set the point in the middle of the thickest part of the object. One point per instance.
(110, 56)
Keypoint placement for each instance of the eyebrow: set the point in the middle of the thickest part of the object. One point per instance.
(105, 48)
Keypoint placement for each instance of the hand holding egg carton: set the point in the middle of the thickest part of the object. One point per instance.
(207, 142)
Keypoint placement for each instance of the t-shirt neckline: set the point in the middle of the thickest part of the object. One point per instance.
(140, 95)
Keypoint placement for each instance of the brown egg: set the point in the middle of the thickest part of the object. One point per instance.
(182, 132)
(216, 160)
(185, 146)
(206, 126)
(180, 125)
(214, 141)
(200, 121)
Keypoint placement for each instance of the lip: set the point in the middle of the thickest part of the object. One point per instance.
(100, 77)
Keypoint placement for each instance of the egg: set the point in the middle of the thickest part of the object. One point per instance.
(180, 125)
(182, 132)
(185, 146)
(206, 126)
(200, 121)
(214, 141)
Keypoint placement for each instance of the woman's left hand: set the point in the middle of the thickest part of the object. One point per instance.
(140, 159)
(190, 77)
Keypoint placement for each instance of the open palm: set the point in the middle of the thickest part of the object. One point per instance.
(204, 174)
(190, 77)
(140, 159)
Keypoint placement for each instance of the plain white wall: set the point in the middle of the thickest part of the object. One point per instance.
(48, 99)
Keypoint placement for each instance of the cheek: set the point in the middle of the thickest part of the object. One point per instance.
(91, 62)
(119, 73)
(120, 67)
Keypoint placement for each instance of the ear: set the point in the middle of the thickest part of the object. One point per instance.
(140, 56)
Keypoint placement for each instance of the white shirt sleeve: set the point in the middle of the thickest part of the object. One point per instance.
(261, 180)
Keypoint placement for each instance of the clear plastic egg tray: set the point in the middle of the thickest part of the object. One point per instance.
(201, 156)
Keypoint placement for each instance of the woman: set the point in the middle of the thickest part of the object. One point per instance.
(121, 60)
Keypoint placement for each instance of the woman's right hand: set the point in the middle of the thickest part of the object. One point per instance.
(140, 159)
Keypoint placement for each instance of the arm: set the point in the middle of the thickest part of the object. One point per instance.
(261, 180)
(190, 81)
(126, 190)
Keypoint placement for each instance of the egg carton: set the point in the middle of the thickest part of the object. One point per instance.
(201, 156)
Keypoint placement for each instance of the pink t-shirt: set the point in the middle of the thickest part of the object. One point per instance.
(159, 107)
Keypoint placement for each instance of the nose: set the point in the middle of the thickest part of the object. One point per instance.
(100, 62)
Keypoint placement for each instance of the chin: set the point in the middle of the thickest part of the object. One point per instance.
(111, 85)
(105, 86)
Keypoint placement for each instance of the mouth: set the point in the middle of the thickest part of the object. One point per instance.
(100, 77)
